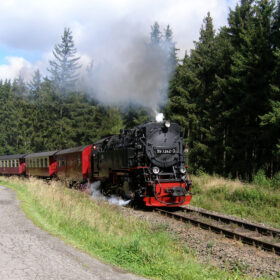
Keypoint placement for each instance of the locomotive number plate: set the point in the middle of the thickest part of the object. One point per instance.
(165, 151)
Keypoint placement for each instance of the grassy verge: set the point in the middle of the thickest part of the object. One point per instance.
(102, 230)
(259, 203)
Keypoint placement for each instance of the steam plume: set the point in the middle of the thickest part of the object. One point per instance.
(137, 73)
(96, 194)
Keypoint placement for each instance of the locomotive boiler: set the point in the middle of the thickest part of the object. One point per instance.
(145, 164)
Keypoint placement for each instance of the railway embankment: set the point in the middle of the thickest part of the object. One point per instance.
(256, 202)
(107, 232)
(138, 241)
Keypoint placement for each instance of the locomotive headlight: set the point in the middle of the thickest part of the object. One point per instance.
(167, 124)
(183, 169)
(155, 170)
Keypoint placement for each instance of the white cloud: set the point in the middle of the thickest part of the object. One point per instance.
(99, 27)
(16, 66)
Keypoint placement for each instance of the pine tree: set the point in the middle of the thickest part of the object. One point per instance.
(35, 84)
(65, 65)
(247, 87)
(170, 47)
(156, 35)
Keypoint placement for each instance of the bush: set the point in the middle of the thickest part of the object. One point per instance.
(261, 180)
(275, 182)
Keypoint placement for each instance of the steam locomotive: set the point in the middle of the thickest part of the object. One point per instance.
(145, 164)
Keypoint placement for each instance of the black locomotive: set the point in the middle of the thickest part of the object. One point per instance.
(146, 163)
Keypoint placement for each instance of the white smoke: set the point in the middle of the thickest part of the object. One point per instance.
(96, 194)
(133, 73)
(159, 117)
(95, 191)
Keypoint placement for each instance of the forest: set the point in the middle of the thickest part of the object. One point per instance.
(225, 93)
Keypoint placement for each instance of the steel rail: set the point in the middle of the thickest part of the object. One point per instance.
(228, 233)
(268, 231)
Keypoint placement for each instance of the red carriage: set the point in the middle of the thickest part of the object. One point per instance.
(12, 164)
(41, 164)
(74, 164)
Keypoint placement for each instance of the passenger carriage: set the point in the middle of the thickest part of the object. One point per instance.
(12, 164)
(41, 164)
(74, 164)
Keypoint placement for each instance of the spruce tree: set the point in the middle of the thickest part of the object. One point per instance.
(64, 66)
(156, 35)
(35, 84)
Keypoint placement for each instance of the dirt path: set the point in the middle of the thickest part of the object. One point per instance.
(27, 252)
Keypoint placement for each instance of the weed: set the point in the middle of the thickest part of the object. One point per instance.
(103, 231)
(255, 202)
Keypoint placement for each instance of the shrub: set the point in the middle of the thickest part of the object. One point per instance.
(261, 180)
(275, 182)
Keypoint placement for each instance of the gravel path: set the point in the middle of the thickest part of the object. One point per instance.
(27, 252)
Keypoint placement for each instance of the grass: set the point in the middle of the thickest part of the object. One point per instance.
(259, 203)
(105, 232)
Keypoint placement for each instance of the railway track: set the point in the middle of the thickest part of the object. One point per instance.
(260, 236)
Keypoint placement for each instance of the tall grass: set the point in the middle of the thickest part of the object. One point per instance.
(104, 231)
(257, 202)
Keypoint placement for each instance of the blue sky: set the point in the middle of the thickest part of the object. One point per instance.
(29, 29)
(31, 56)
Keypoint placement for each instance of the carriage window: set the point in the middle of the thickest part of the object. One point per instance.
(79, 161)
(17, 163)
(46, 162)
(0, 163)
(13, 163)
(42, 162)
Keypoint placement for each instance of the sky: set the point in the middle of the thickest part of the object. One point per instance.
(29, 29)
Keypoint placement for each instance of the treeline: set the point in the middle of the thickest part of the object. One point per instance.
(226, 93)
(55, 112)
(52, 113)
(48, 120)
